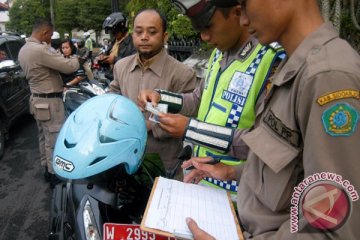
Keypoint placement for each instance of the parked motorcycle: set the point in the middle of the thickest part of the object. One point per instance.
(99, 153)
(75, 95)
(101, 71)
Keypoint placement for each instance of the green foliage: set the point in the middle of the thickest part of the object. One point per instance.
(85, 14)
(65, 12)
(348, 30)
(181, 27)
(92, 13)
(23, 14)
(178, 25)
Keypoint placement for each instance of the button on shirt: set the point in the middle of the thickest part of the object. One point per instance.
(161, 72)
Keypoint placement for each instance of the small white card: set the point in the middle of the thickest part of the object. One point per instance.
(160, 108)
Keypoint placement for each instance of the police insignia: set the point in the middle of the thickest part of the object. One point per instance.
(340, 120)
(246, 50)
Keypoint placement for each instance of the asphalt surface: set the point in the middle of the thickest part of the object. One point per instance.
(24, 194)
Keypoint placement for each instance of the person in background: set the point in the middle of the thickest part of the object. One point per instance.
(68, 49)
(56, 41)
(106, 46)
(83, 54)
(151, 67)
(301, 178)
(122, 45)
(89, 46)
(42, 65)
(226, 100)
(3, 55)
(66, 36)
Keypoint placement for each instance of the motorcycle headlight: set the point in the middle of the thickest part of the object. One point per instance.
(91, 232)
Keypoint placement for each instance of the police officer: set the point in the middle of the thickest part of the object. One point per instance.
(42, 64)
(89, 46)
(226, 99)
(301, 178)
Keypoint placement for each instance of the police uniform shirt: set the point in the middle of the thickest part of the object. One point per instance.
(42, 64)
(309, 125)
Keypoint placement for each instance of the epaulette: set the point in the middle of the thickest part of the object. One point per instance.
(275, 46)
(247, 50)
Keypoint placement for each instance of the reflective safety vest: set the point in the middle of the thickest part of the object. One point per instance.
(230, 96)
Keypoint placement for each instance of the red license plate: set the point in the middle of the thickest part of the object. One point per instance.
(113, 231)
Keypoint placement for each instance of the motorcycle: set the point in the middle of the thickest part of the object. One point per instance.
(75, 95)
(93, 197)
(102, 71)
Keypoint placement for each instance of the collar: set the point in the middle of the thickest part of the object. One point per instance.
(240, 54)
(32, 39)
(156, 63)
(291, 66)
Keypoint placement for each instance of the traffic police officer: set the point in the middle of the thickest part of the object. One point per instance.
(42, 64)
(301, 178)
(225, 101)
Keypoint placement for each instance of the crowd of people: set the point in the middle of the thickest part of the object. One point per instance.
(275, 108)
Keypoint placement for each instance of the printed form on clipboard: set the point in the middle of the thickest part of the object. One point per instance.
(171, 202)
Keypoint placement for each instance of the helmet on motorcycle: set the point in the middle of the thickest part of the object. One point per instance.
(104, 132)
(115, 22)
(200, 12)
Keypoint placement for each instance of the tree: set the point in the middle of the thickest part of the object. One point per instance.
(66, 10)
(22, 15)
(92, 13)
(344, 14)
(178, 25)
(182, 28)
(84, 15)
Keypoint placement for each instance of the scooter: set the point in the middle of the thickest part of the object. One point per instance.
(101, 71)
(82, 207)
(75, 95)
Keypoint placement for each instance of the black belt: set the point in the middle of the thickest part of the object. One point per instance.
(48, 95)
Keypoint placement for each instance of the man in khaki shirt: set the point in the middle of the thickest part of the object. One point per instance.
(42, 64)
(151, 67)
(301, 179)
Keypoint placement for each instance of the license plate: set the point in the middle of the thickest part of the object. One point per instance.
(113, 231)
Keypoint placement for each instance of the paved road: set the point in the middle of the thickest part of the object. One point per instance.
(24, 195)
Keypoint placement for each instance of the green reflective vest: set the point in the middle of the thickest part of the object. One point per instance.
(230, 96)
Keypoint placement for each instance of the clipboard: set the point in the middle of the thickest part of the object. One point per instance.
(180, 236)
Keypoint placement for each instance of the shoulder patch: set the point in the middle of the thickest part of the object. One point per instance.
(348, 93)
(275, 45)
(246, 50)
(340, 120)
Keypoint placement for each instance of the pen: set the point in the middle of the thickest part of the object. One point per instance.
(213, 161)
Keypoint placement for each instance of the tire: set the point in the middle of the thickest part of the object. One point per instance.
(2, 139)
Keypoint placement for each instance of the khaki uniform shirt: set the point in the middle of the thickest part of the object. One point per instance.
(166, 73)
(42, 64)
(309, 124)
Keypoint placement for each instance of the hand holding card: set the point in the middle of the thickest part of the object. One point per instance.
(160, 108)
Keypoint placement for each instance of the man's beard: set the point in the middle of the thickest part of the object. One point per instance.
(149, 54)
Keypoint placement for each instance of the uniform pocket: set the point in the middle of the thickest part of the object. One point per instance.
(271, 172)
(42, 111)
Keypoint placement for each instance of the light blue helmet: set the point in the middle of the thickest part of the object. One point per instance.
(102, 133)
